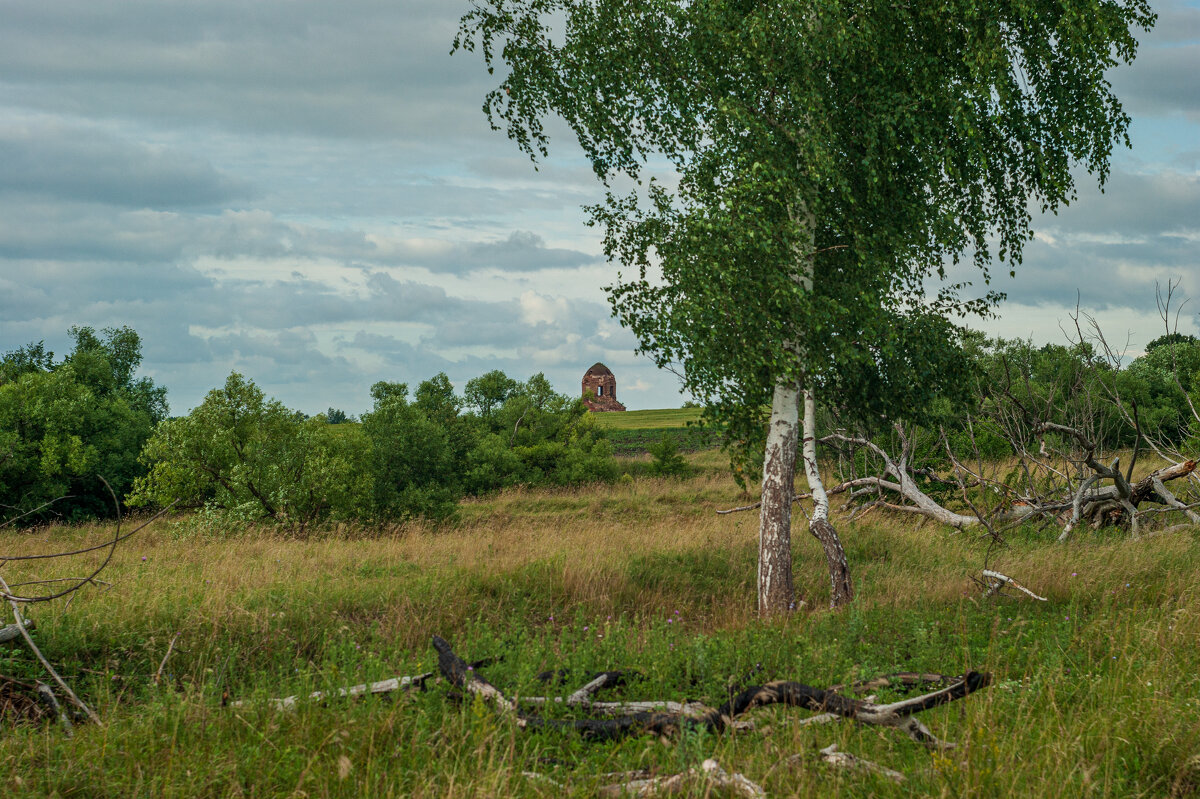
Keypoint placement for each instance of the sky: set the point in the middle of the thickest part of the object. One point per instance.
(308, 193)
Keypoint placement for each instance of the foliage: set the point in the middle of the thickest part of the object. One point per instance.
(63, 425)
(241, 455)
(489, 391)
(831, 158)
(1073, 385)
(411, 454)
(667, 460)
(337, 416)
(538, 437)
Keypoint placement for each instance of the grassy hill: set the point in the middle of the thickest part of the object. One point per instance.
(633, 432)
(663, 418)
(1094, 691)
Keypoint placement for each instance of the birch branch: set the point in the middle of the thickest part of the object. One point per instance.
(999, 580)
(21, 627)
(709, 771)
(833, 757)
(380, 687)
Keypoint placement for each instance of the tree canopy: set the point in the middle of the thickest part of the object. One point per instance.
(831, 157)
(64, 425)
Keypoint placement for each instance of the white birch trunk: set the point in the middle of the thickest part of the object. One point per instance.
(776, 593)
(841, 588)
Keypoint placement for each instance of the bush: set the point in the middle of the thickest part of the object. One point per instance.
(63, 425)
(241, 455)
(414, 464)
(667, 460)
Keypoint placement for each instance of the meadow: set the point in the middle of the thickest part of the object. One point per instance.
(633, 433)
(1096, 692)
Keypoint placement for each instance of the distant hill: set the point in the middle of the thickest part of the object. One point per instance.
(633, 432)
(632, 420)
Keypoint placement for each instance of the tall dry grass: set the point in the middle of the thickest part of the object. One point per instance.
(1097, 689)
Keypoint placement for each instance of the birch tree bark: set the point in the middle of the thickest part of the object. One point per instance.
(776, 592)
(841, 589)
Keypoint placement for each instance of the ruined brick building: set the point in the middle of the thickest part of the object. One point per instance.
(600, 389)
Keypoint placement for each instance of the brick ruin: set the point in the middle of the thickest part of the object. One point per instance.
(600, 389)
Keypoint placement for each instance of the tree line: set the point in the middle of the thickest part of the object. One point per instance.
(245, 457)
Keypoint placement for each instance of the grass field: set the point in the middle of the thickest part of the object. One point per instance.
(1097, 691)
(662, 419)
(632, 433)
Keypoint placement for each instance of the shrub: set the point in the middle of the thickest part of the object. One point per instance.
(667, 460)
(63, 424)
(250, 458)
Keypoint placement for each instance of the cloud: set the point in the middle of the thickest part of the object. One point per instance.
(361, 68)
(1161, 79)
(521, 251)
(53, 160)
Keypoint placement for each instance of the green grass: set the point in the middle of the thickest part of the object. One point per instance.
(1097, 691)
(633, 432)
(664, 418)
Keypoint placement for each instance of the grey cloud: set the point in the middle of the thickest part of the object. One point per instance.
(69, 231)
(1162, 79)
(521, 251)
(1100, 275)
(56, 161)
(353, 69)
(1133, 204)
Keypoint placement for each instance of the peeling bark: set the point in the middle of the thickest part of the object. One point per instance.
(776, 592)
(841, 588)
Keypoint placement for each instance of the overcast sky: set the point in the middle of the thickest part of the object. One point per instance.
(307, 192)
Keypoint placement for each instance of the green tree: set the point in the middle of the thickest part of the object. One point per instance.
(488, 392)
(65, 425)
(537, 437)
(667, 461)
(412, 457)
(250, 458)
(832, 156)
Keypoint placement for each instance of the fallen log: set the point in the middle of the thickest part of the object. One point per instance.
(380, 687)
(11, 632)
(710, 771)
(653, 722)
(995, 581)
(833, 757)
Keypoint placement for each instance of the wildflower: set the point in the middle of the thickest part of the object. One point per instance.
(670, 621)
(585, 629)
(143, 558)
(1074, 574)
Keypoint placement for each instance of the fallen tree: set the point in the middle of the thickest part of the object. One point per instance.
(898, 715)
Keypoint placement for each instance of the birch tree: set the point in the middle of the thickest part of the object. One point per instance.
(832, 156)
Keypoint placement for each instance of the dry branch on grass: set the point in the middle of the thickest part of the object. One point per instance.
(898, 715)
(995, 581)
(845, 760)
(380, 687)
(710, 772)
(20, 626)
(11, 632)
